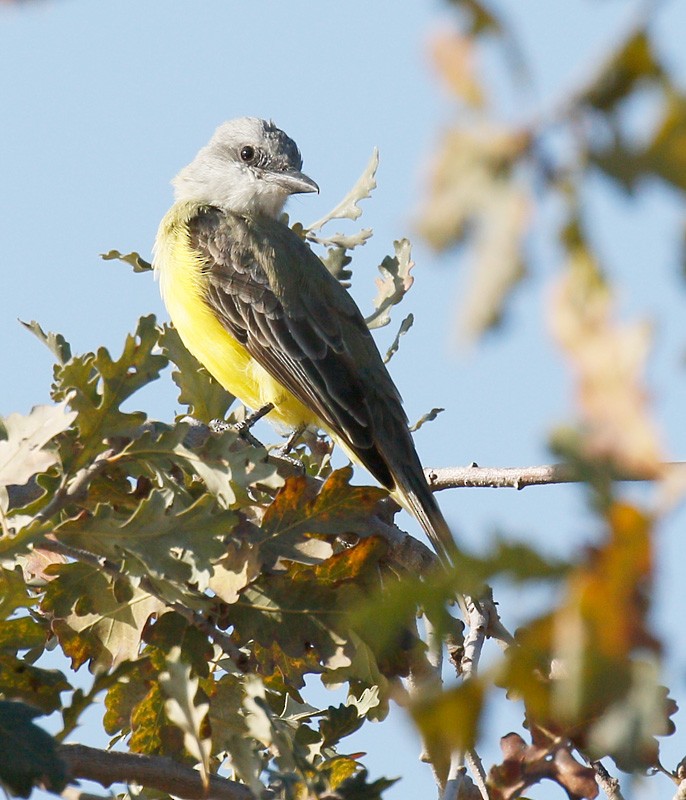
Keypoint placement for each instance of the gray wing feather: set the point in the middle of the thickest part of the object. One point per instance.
(307, 332)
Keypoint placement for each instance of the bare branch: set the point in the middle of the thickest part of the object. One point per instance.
(476, 477)
(108, 766)
(607, 782)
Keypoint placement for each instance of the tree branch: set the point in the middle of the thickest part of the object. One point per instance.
(476, 477)
(108, 766)
(607, 782)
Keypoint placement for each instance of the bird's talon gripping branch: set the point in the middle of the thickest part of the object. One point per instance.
(253, 418)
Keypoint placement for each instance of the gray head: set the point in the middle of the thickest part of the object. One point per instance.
(248, 166)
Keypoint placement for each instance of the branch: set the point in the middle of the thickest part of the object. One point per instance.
(607, 783)
(108, 766)
(476, 477)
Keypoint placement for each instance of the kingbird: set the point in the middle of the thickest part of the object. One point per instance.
(256, 306)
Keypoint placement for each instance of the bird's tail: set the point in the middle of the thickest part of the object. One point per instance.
(414, 494)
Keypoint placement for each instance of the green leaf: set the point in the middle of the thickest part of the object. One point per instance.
(343, 241)
(627, 730)
(25, 440)
(205, 397)
(23, 633)
(13, 592)
(348, 208)
(635, 62)
(357, 787)
(139, 264)
(39, 687)
(95, 619)
(55, 342)
(28, 755)
(95, 387)
(450, 720)
(337, 261)
(184, 710)
(178, 547)
(339, 722)
(664, 157)
(152, 733)
(393, 285)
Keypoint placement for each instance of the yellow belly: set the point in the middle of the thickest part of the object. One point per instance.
(179, 271)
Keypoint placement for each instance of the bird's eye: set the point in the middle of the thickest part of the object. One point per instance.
(247, 153)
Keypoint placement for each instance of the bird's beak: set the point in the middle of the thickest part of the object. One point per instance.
(295, 182)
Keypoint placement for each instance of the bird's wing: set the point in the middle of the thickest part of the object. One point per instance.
(276, 297)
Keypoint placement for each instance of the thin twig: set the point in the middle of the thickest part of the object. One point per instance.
(608, 783)
(108, 766)
(476, 477)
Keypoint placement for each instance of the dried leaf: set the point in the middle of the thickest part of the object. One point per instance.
(348, 208)
(134, 259)
(405, 326)
(575, 668)
(296, 513)
(526, 765)
(394, 283)
(430, 416)
(471, 163)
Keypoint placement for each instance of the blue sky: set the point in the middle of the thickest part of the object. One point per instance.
(104, 102)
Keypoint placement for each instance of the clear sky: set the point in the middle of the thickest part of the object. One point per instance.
(102, 103)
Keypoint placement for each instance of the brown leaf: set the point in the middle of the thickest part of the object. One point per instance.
(526, 765)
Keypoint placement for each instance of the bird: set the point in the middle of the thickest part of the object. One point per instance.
(257, 307)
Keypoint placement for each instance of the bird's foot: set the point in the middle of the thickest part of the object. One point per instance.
(243, 428)
(282, 453)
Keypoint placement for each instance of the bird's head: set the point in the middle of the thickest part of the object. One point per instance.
(249, 166)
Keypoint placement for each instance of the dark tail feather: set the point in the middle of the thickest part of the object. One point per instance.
(419, 500)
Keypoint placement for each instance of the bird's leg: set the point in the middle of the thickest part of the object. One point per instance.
(288, 445)
(283, 451)
(243, 428)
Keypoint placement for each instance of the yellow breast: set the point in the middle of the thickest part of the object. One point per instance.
(181, 281)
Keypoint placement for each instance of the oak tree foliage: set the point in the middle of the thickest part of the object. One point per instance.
(199, 579)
